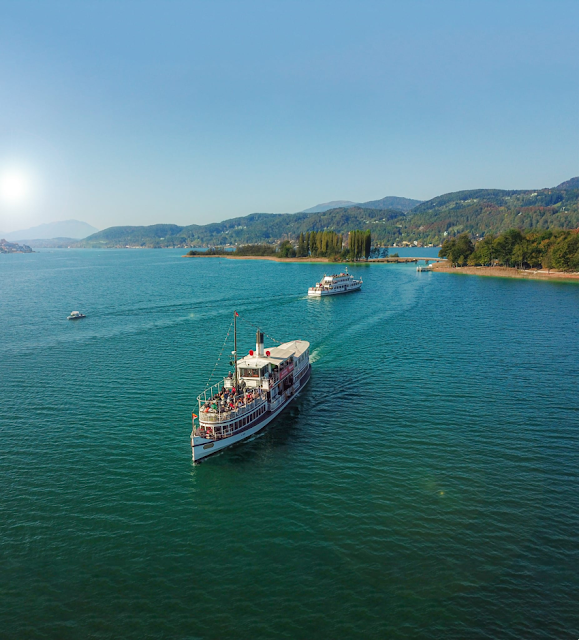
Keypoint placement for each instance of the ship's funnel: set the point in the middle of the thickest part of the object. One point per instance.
(259, 343)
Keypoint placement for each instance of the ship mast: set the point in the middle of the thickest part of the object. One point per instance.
(235, 349)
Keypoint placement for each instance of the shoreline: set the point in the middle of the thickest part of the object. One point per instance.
(509, 272)
(399, 260)
(273, 258)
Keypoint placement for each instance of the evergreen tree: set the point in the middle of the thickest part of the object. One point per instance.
(367, 244)
(302, 246)
(313, 244)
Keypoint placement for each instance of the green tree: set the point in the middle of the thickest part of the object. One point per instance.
(302, 252)
(505, 245)
(313, 244)
(367, 244)
(457, 250)
(286, 250)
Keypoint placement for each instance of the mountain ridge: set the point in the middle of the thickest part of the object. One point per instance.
(326, 206)
(476, 212)
(388, 202)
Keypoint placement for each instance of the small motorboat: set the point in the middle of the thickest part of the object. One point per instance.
(76, 315)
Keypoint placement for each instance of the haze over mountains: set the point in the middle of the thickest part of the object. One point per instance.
(66, 229)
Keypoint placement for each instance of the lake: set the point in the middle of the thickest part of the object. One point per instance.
(425, 484)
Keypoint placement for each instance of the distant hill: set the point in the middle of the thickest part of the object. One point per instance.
(64, 229)
(389, 202)
(569, 184)
(325, 206)
(477, 212)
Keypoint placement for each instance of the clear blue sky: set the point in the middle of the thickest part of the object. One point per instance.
(191, 112)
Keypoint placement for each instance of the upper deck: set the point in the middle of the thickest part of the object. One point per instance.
(337, 278)
(275, 356)
(256, 376)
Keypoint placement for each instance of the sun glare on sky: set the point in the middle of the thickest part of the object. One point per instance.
(14, 186)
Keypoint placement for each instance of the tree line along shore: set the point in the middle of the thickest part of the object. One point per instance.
(326, 246)
(556, 249)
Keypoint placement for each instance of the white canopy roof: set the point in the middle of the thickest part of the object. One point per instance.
(276, 354)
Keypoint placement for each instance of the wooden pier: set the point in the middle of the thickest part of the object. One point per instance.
(396, 260)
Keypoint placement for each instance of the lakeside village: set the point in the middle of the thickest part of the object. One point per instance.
(13, 247)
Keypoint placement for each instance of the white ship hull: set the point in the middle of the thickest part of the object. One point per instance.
(333, 292)
(205, 447)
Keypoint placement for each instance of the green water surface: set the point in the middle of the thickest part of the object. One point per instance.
(425, 485)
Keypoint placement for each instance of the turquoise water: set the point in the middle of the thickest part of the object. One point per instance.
(425, 485)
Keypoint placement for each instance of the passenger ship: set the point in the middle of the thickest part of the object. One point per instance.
(335, 284)
(261, 387)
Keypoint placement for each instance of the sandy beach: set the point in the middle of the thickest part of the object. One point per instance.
(508, 272)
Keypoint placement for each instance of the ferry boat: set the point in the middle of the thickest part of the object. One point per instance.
(335, 284)
(262, 385)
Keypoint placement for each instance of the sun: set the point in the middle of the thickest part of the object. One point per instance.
(14, 186)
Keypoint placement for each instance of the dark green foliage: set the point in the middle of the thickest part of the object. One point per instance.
(321, 244)
(212, 251)
(550, 249)
(457, 250)
(359, 244)
(286, 250)
(255, 250)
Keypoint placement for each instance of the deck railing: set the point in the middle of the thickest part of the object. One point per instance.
(222, 415)
(210, 392)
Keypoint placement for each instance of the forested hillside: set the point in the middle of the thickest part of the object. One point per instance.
(488, 210)
(476, 212)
